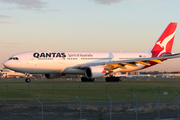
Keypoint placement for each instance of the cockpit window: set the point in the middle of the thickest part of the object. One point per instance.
(13, 58)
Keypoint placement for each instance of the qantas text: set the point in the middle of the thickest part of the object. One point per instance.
(43, 55)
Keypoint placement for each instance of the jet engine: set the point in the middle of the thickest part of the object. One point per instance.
(51, 76)
(95, 72)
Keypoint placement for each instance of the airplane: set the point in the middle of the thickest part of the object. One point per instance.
(131, 76)
(93, 64)
(9, 73)
(119, 75)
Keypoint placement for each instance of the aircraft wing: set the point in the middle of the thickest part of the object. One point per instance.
(131, 62)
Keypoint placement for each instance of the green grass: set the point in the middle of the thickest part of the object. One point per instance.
(65, 92)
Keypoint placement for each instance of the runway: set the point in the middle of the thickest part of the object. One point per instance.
(96, 82)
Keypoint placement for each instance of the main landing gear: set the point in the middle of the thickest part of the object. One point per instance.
(85, 79)
(28, 80)
(113, 79)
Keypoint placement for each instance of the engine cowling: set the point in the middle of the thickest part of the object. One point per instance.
(52, 76)
(95, 72)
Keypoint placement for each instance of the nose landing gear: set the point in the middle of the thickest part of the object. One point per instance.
(28, 80)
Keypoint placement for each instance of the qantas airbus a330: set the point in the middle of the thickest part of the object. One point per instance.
(93, 64)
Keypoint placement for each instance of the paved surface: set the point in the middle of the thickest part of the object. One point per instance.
(96, 82)
(73, 113)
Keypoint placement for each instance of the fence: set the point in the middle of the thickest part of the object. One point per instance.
(62, 102)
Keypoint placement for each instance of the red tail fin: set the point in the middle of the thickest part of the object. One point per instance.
(165, 42)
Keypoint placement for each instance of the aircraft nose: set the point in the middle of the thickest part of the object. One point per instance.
(7, 64)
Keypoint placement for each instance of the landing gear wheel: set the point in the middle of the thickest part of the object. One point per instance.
(112, 79)
(116, 79)
(107, 79)
(83, 79)
(28, 80)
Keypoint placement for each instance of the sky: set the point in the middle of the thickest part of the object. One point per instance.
(87, 25)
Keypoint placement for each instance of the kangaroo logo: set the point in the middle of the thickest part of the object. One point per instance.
(163, 43)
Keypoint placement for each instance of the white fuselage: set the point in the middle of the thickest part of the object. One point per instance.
(46, 62)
